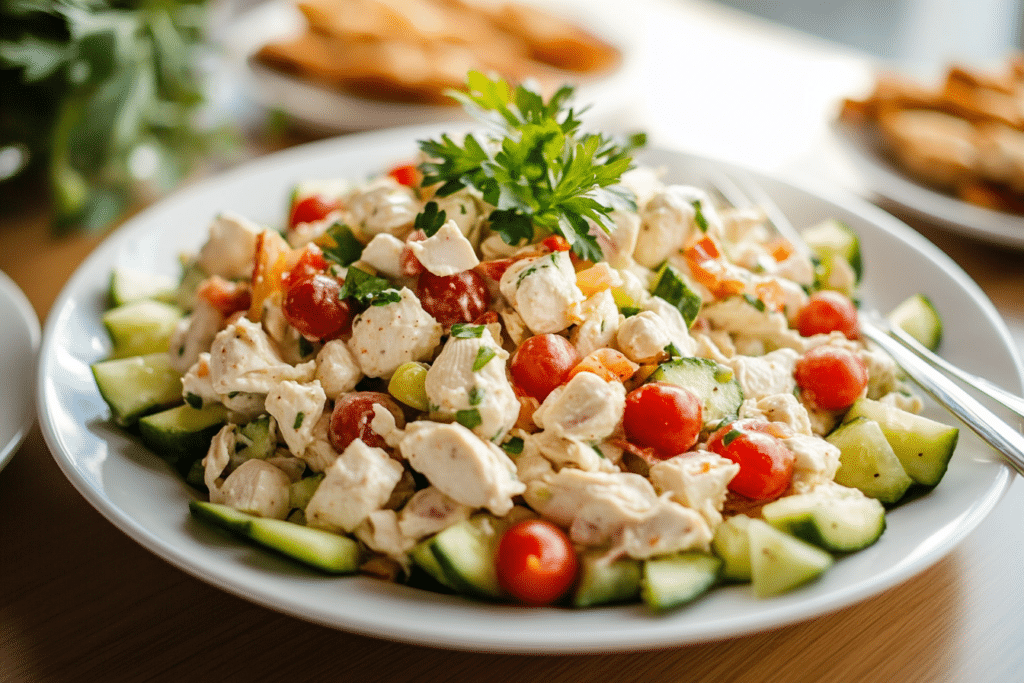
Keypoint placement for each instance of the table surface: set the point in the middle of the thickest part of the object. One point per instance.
(80, 600)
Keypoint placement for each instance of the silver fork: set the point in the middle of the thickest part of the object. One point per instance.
(920, 364)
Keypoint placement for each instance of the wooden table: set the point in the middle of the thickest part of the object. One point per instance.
(80, 601)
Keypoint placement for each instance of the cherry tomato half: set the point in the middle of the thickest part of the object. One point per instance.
(352, 416)
(766, 465)
(831, 377)
(542, 363)
(310, 209)
(663, 416)
(827, 311)
(536, 562)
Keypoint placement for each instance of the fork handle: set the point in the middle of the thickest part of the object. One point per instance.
(982, 421)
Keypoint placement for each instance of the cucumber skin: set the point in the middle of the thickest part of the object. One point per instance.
(704, 571)
(154, 370)
(343, 558)
(808, 528)
(182, 448)
(606, 583)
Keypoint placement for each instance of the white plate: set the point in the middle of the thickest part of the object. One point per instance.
(888, 182)
(138, 493)
(326, 110)
(19, 339)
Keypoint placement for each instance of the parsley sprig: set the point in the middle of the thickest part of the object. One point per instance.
(533, 165)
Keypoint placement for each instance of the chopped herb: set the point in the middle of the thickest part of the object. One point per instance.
(698, 217)
(466, 331)
(598, 450)
(514, 446)
(483, 355)
(340, 245)
(298, 420)
(305, 347)
(534, 268)
(538, 170)
(730, 436)
(430, 219)
(367, 289)
(476, 395)
(754, 301)
(671, 287)
(233, 394)
(194, 400)
(629, 311)
(468, 418)
(672, 351)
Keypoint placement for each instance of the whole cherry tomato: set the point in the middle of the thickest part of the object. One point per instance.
(450, 299)
(831, 377)
(766, 465)
(311, 305)
(663, 416)
(827, 311)
(541, 363)
(536, 562)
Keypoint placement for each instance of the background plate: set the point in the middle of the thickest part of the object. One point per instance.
(886, 181)
(139, 494)
(19, 339)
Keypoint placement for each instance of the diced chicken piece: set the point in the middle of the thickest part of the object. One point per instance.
(320, 454)
(337, 369)
(784, 408)
(767, 375)
(619, 243)
(297, 408)
(904, 400)
(561, 451)
(384, 255)
(469, 375)
(668, 220)
(430, 511)
(381, 533)
(674, 325)
(644, 182)
(738, 316)
(643, 337)
(620, 509)
(446, 252)
(816, 461)
(196, 385)
(586, 408)
(883, 373)
(465, 209)
(383, 206)
(598, 318)
(230, 248)
(470, 470)
(357, 483)
(193, 335)
(542, 289)
(242, 359)
(384, 337)
(531, 463)
(699, 481)
(255, 487)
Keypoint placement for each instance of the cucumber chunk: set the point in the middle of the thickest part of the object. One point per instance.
(867, 461)
(128, 285)
(141, 327)
(780, 562)
(301, 491)
(838, 249)
(182, 435)
(465, 553)
(255, 439)
(923, 446)
(716, 385)
(423, 557)
(603, 582)
(138, 385)
(323, 550)
(836, 518)
(671, 287)
(675, 580)
(732, 544)
(918, 317)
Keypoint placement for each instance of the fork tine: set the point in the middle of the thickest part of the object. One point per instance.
(743, 192)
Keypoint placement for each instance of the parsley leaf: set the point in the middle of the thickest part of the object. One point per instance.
(430, 219)
(483, 356)
(533, 165)
(367, 289)
(340, 245)
(468, 418)
(466, 331)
